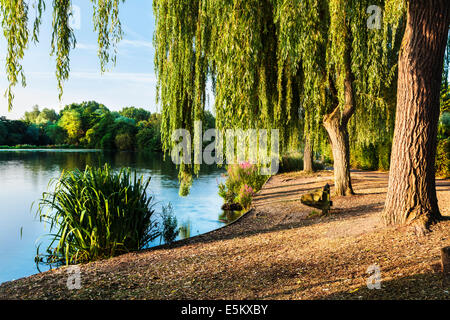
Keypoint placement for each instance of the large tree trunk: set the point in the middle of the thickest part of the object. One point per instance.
(336, 125)
(308, 155)
(411, 197)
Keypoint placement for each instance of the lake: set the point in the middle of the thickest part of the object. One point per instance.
(25, 175)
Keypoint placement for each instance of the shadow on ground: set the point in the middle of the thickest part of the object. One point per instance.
(432, 286)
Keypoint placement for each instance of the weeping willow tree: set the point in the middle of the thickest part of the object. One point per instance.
(289, 65)
(283, 64)
(233, 43)
(411, 197)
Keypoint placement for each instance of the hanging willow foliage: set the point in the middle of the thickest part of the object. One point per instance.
(109, 29)
(14, 16)
(234, 43)
(270, 62)
(63, 40)
(375, 57)
(302, 42)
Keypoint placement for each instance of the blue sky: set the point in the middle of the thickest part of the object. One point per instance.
(131, 82)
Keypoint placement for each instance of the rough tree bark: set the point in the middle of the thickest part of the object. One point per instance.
(308, 155)
(336, 125)
(411, 197)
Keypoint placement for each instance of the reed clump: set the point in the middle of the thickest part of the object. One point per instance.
(96, 214)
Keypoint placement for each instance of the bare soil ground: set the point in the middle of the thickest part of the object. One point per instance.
(279, 250)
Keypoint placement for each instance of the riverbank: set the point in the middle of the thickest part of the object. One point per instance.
(279, 250)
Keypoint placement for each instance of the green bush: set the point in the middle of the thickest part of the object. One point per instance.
(148, 139)
(125, 142)
(170, 228)
(444, 126)
(365, 157)
(374, 156)
(291, 162)
(242, 182)
(107, 142)
(96, 214)
(443, 158)
(384, 156)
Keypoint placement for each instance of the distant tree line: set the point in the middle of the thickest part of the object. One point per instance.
(89, 125)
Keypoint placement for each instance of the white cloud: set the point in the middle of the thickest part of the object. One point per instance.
(136, 43)
(85, 46)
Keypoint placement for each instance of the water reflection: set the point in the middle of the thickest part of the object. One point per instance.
(185, 230)
(228, 216)
(24, 176)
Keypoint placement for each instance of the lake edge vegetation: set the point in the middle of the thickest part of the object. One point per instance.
(96, 214)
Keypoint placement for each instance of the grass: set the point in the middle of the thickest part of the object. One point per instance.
(96, 214)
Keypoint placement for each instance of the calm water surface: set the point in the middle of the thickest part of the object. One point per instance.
(24, 176)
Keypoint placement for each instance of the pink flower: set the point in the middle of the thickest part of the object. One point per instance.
(245, 165)
(247, 189)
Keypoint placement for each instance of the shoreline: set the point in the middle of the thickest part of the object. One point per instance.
(277, 250)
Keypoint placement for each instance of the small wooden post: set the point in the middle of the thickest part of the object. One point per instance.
(445, 260)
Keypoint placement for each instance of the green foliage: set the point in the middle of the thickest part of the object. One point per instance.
(242, 182)
(148, 139)
(71, 122)
(374, 156)
(56, 134)
(108, 142)
(445, 99)
(32, 134)
(63, 40)
(444, 125)
(443, 158)
(14, 20)
(170, 228)
(186, 181)
(384, 155)
(3, 133)
(277, 64)
(245, 196)
(46, 115)
(123, 121)
(443, 147)
(14, 16)
(291, 162)
(88, 124)
(109, 30)
(31, 116)
(16, 132)
(137, 114)
(125, 142)
(365, 157)
(272, 64)
(96, 214)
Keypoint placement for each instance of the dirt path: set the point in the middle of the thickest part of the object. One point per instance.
(277, 251)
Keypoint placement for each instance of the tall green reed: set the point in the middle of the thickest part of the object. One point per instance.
(96, 214)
